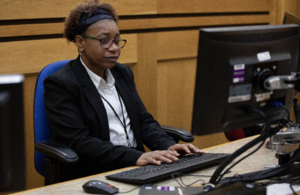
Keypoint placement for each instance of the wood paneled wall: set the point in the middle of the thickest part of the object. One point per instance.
(162, 49)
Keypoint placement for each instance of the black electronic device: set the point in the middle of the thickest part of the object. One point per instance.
(292, 19)
(99, 187)
(149, 189)
(233, 65)
(239, 188)
(152, 173)
(12, 136)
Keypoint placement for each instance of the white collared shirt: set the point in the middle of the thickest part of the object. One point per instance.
(109, 92)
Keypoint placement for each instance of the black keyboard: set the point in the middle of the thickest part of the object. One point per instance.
(151, 173)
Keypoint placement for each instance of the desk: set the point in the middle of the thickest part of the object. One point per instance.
(262, 158)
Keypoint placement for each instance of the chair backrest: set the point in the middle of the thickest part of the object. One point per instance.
(42, 130)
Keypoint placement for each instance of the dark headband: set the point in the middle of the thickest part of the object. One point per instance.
(86, 20)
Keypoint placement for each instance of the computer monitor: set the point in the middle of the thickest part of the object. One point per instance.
(233, 63)
(12, 136)
(292, 19)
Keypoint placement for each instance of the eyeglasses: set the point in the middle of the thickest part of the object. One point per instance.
(107, 43)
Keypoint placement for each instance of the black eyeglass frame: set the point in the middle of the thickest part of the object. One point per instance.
(100, 40)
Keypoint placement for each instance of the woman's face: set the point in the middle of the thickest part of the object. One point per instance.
(95, 57)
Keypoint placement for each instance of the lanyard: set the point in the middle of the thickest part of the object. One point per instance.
(122, 123)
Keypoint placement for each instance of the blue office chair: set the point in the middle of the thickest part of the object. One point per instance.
(50, 156)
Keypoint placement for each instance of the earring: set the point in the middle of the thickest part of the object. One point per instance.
(80, 50)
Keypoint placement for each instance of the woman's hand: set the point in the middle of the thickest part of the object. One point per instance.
(156, 156)
(168, 156)
(183, 149)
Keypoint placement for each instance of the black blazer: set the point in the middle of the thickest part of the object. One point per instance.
(78, 119)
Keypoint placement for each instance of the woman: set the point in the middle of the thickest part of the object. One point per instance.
(92, 103)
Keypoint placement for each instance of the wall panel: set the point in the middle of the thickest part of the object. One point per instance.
(33, 178)
(32, 55)
(176, 80)
(145, 78)
(57, 9)
(31, 29)
(192, 21)
(175, 98)
(180, 44)
(291, 6)
(213, 6)
(56, 28)
(212, 21)
(27, 9)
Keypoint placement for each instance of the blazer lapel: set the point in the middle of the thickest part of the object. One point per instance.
(93, 97)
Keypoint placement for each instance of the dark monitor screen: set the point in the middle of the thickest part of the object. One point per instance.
(232, 64)
(12, 136)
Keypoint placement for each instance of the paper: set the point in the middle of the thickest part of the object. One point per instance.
(281, 189)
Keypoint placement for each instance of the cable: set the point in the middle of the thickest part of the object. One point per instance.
(289, 118)
(175, 178)
(241, 160)
(186, 185)
(182, 184)
(238, 152)
(129, 190)
(293, 189)
(265, 134)
(289, 168)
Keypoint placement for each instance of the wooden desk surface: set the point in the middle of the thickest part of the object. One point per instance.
(262, 158)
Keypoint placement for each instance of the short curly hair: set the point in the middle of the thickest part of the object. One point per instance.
(73, 19)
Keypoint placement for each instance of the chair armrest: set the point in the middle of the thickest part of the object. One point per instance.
(178, 133)
(57, 151)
